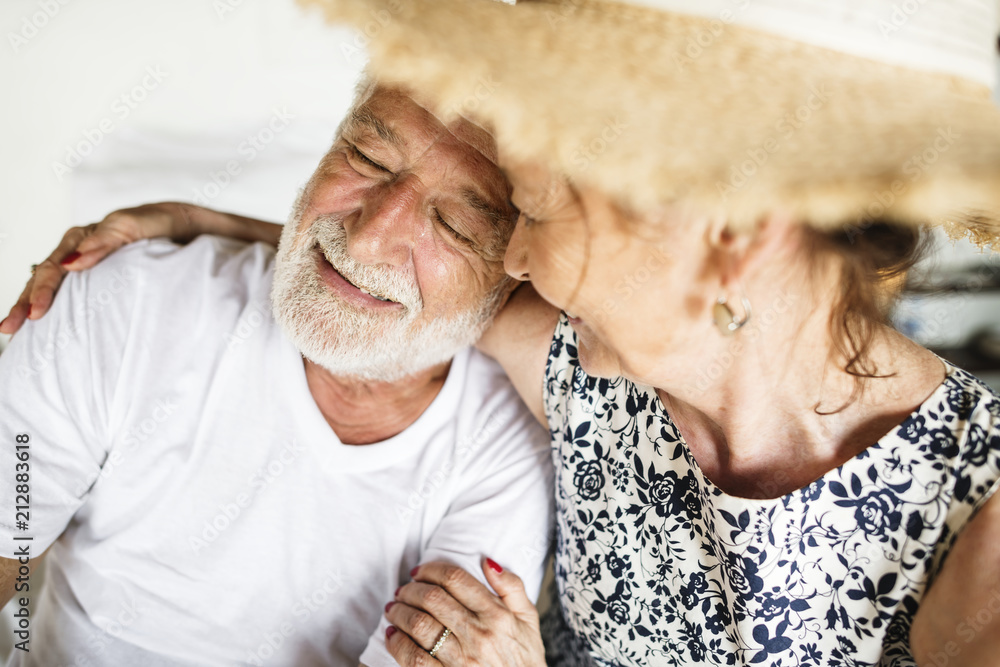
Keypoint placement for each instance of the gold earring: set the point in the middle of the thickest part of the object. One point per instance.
(725, 318)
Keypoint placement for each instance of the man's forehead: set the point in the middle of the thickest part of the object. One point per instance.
(421, 119)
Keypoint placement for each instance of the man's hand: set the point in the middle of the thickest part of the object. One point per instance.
(499, 630)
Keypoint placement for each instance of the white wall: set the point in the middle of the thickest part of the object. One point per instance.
(224, 66)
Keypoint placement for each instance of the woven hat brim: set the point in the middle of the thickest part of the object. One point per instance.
(659, 108)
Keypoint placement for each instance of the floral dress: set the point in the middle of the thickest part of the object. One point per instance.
(655, 565)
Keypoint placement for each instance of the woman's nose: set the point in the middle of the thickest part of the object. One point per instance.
(515, 262)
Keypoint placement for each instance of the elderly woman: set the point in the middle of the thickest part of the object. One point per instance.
(753, 467)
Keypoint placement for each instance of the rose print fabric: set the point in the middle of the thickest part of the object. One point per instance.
(657, 566)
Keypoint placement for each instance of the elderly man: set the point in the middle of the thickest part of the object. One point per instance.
(214, 485)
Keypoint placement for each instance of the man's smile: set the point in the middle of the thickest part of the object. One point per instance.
(347, 289)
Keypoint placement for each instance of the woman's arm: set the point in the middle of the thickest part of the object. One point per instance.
(83, 247)
(958, 622)
(519, 340)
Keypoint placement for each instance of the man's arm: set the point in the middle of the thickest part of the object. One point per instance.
(498, 503)
(10, 571)
(519, 340)
(83, 247)
(958, 621)
(58, 385)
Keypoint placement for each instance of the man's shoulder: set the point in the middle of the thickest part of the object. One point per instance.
(492, 408)
(158, 276)
(156, 293)
(163, 263)
(485, 379)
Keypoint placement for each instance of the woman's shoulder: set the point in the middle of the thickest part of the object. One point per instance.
(565, 380)
(956, 432)
(610, 408)
(968, 397)
(963, 406)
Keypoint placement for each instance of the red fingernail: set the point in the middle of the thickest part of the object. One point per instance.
(70, 258)
(413, 572)
(388, 606)
(493, 565)
(396, 594)
(390, 631)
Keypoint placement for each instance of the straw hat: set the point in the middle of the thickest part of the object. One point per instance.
(838, 112)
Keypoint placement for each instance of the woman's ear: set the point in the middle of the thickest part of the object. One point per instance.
(748, 251)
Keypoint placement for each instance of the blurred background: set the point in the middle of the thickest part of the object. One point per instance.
(230, 104)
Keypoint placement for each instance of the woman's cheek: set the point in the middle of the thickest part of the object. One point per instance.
(555, 262)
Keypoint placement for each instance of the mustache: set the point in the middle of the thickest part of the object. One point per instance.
(378, 280)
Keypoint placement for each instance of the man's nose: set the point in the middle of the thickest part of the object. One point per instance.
(515, 262)
(390, 222)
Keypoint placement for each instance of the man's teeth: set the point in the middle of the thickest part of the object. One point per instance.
(374, 296)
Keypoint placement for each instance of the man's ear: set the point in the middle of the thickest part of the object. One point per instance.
(743, 253)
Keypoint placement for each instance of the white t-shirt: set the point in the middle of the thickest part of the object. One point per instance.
(199, 508)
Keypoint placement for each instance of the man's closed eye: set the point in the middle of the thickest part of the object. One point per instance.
(360, 158)
(451, 230)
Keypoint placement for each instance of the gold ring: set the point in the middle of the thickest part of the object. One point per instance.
(33, 267)
(440, 642)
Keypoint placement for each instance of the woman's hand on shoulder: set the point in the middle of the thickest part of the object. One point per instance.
(83, 247)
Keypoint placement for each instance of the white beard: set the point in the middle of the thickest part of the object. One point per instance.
(368, 344)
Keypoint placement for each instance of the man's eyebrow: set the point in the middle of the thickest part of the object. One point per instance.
(496, 215)
(385, 133)
(500, 220)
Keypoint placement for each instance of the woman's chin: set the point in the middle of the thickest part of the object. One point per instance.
(596, 360)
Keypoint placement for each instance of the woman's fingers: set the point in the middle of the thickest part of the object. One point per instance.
(83, 247)
(433, 609)
(48, 276)
(18, 312)
(80, 260)
(510, 588)
(405, 650)
(36, 298)
(485, 629)
(51, 272)
(421, 627)
(459, 584)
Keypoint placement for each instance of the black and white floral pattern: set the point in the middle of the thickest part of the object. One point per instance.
(657, 566)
